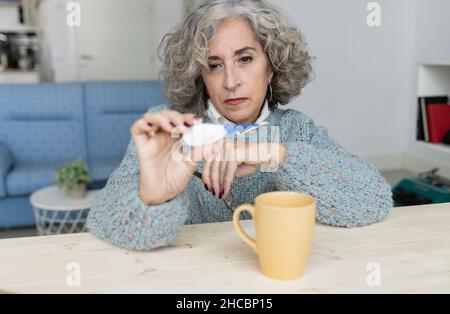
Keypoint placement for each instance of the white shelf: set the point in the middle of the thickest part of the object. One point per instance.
(435, 147)
(17, 29)
(440, 63)
(19, 77)
(422, 155)
(434, 79)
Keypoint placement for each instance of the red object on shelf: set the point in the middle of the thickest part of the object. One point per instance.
(438, 121)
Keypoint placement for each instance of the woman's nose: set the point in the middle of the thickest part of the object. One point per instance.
(231, 78)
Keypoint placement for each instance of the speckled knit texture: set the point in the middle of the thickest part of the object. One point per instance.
(350, 192)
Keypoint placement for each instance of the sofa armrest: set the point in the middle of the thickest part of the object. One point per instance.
(6, 162)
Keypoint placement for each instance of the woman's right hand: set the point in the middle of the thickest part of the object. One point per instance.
(164, 170)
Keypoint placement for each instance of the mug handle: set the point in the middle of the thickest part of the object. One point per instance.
(237, 225)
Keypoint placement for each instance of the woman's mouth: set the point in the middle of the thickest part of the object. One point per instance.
(235, 101)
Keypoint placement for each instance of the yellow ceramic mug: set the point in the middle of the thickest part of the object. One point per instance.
(284, 228)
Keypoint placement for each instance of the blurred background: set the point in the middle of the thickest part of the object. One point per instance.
(376, 87)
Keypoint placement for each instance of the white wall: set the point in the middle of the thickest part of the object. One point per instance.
(433, 31)
(168, 15)
(116, 40)
(362, 73)
(61, 44)
(58, 42)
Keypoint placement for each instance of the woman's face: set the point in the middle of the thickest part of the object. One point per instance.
(238, 72)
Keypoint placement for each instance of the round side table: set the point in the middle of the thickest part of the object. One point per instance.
(56, 213)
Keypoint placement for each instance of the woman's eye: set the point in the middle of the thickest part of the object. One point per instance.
(247, 59)
(213, 67)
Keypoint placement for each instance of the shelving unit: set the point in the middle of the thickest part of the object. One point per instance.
(12, 25)
(433, 80)
(441, 148)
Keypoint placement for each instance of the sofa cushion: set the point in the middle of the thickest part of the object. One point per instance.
(43, 122)
(16, 212)
(27, 178)
(111, 109)
(6, 162)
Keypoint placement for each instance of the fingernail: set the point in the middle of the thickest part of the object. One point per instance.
(206, 187)
(187, 125)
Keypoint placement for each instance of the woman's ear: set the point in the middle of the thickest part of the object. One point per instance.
(271, 73)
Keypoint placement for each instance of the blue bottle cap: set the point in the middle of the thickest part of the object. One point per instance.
(238, 128)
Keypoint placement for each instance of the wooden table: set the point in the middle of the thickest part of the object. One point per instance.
(410, 252)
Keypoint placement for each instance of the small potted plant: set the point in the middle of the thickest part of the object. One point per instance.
(72, 178)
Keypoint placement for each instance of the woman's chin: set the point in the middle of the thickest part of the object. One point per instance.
(239, 120)
(238, 114)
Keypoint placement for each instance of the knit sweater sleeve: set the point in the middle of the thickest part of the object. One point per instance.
(120, 217)
(349, 192)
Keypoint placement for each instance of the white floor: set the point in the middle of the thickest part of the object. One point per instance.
(392, 176)
(18, 233)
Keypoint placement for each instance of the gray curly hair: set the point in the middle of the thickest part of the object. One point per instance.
(185, 51)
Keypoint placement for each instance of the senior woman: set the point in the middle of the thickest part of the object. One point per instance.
(231, 62)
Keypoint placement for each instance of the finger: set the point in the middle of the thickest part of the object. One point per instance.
(192, 119)
(159, 121)
(229, 177)
(178, 120)
(222, 172)
(214, 178)
(140, 127)
(228, 158)
(139, 131)
(218, 167)
(205, 175)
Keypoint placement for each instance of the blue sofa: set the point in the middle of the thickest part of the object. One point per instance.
(43, 126)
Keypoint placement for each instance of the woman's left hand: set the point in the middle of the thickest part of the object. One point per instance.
(232, 159)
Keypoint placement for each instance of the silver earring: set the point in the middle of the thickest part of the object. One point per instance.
(271, 94)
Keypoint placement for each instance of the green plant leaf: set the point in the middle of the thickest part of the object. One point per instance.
(72, 174)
